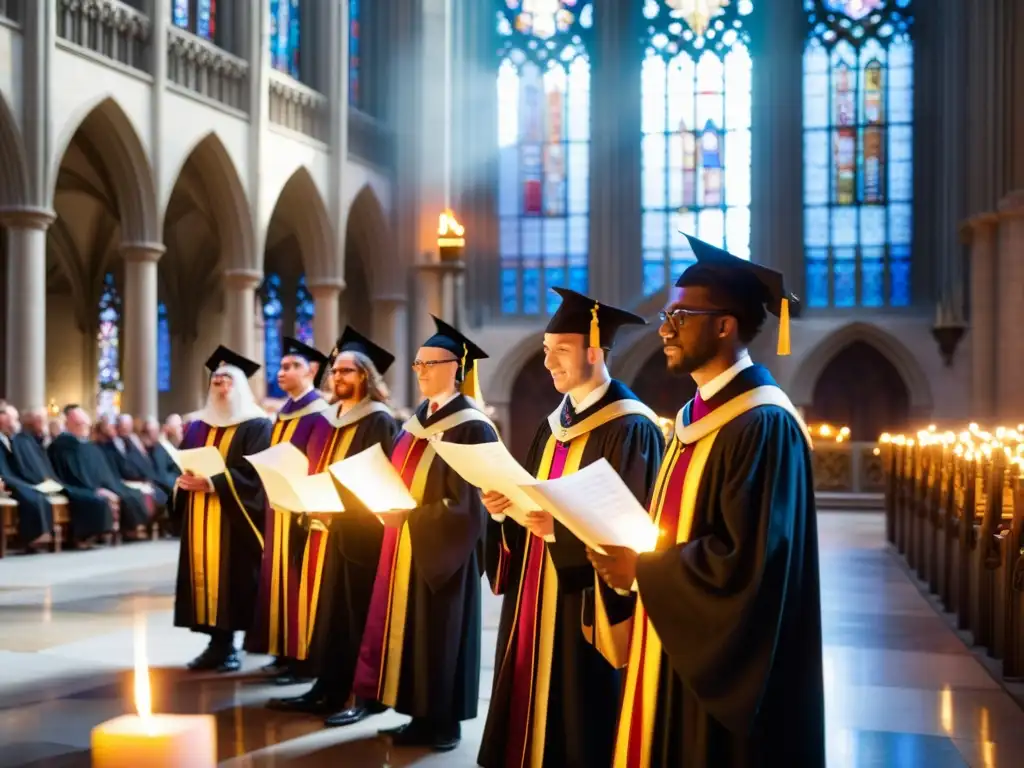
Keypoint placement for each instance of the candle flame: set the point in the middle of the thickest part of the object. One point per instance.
(143, 699)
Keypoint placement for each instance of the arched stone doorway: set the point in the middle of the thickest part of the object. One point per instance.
(663, 392)
(533, 398)
(861, 389)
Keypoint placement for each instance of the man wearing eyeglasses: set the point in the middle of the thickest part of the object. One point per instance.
(725, 663)
(557, 682)
(343, 577)
(421, 647)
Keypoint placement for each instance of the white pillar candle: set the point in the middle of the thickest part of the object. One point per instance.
(155, 741)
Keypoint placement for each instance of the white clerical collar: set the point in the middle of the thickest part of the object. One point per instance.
(720, 381)
(442, 400)
(590, 399)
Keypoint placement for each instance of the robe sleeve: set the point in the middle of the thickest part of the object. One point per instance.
(634, 450)
(446, 532)
(716, 600)
(239, 488)
(358, 531)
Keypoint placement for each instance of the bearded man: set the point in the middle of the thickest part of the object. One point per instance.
(221, 517)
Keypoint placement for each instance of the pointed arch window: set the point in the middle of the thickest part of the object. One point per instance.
(197, 16)
(270, 294)
(304, 310)
(696, 113)
(544, 150)
(163, 349)
(354, 44)
(858, 164)
(285, 36)
(108, 341)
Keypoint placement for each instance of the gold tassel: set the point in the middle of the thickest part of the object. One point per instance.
(783, 328)
(595, 330)
(471, 385)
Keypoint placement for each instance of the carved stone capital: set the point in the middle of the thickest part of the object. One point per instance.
(27, 218)
(242, 279)
(325, 286)
(142, 252)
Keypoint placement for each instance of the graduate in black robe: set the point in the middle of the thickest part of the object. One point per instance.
(420, 652)
(359, 419)
(80, 462)
(725, 664)
(556, 691)
(89, 512)
(221, 517)
(35, 516)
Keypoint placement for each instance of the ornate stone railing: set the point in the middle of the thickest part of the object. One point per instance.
(297, 107)
(370, 140)
(202, 67)
(110, 28)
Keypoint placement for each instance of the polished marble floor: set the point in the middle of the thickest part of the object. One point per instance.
(902, 689)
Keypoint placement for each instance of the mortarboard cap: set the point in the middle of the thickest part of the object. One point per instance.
(352, 340)
(292, 347)
(744, 283)
(448, 337)
(582, 314)
(224, 356)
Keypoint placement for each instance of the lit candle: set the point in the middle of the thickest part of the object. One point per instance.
(154, 741)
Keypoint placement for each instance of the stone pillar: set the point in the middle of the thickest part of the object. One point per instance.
(140, 319)
(390, 322)
(26, 305)
(326, 315)
(982, 232)
(239, 299)
(614, 261)
(1009, 341)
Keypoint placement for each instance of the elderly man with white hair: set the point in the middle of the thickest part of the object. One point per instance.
(221, 517)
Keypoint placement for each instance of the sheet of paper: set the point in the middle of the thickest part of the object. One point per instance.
(490, 467)
(49, 487)
(370, 476)
(204, 462)
(284, 458)
(597, 508)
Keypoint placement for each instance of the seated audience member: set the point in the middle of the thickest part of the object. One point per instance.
(54, 427)
(35, 516)
(165, 471)
(174, 430)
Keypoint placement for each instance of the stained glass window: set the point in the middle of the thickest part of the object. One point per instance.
(304, 309)
(696, 137)
(858, 165)
(284, 36)
(270, 293)
(197, 16)
(108, 358)
(544, 150)
(354, 38)
(163, 349)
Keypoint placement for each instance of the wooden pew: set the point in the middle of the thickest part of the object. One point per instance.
(9, 521)
(1013, 624)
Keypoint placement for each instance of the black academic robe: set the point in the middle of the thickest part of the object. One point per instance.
(420, 652)
(83, 463)
(350, 564)
(35, 516)
(132, 465)
(729, 616)
(221, 532)
(573, 724)
(165, 471)
(89, 512)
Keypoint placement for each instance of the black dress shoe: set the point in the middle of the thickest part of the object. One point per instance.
(447, 739)
(312, 702)
(212, 659)
(417, 733)
(290, 678)
(277, 667)
(231, 663)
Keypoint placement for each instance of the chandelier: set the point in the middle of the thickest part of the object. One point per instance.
(697, 13)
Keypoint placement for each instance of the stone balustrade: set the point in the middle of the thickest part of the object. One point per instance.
(297, 107)
(109, 28)
(203, 68)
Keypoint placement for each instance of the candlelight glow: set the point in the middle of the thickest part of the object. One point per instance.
(975, 443)
(143, 699)
(829, 432)
(450, 234)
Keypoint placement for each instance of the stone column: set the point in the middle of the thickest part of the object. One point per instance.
(1009, 341)
(982, 231)
(239, 299)
(325, 315)
(26, 305)
(140, 317)
(614, 261)
(390, 322)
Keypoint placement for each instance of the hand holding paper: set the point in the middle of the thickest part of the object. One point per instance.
(202, 462)
(370, 477)
(597, 508)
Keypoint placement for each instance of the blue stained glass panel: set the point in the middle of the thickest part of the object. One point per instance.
(817, 277)
(509, 290)
(305, 308)
(108, 340)
(285, 36)
(272, 335)
(531, 290)
(872, 277)
(206, 21)
(844, 277)
(180, 14)
(163, 349)
(354, 52)
(654, 276)
(899, 276)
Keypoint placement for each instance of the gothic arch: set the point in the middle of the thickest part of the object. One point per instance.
(111, 132)
(302, 207)
(224, 186)
(14, 183)
(497, 388)
(902, 359)
(369, 235)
